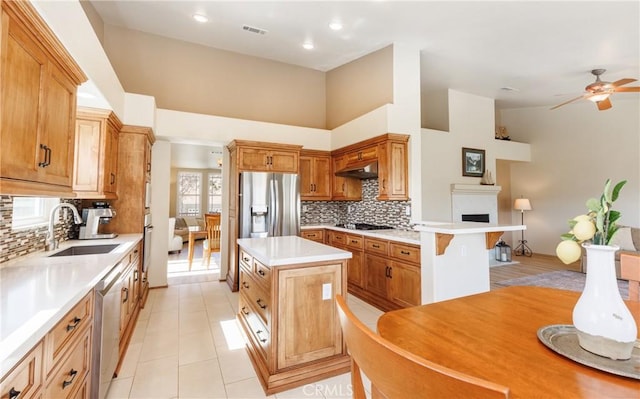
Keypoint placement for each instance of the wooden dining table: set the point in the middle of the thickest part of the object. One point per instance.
(493, 336)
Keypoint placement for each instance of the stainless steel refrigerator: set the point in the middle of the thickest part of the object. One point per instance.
(269, 204)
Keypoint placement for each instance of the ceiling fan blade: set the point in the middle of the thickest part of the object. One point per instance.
(604, 104)
(622, 82)
(627, 89)
(570, 101)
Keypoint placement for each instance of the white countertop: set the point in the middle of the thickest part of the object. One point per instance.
(290, 250)
(407, 237)
(465, 227)
(37, 291)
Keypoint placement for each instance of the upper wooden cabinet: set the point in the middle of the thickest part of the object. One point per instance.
(315, 175)
(266, 157)
(96, 154)
(390, 150)
(37, 103)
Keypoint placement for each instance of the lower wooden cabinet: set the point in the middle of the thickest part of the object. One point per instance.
(316, 235)
(70, 374)
(25, 380)
(289, 319)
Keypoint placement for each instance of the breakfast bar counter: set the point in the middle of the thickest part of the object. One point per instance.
(287, 312)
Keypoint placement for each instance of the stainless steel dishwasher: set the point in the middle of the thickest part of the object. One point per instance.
(106, 332)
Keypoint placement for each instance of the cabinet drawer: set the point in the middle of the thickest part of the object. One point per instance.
(337, 238)
(363, 154)
(259, 333)
(380, 247)
(404, 252)
(246, 260)
(25, 379)
(354, 242)
(253, 293)
(262, 273)
(69, 375)
(313, 235)
(60, 337)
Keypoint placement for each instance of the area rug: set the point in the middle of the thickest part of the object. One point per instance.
(563, 279)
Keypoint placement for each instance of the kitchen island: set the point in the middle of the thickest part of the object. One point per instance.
(287, 311)
(455, 257)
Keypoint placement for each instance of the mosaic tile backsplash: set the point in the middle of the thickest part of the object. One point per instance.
(17, 243)
(368, 210)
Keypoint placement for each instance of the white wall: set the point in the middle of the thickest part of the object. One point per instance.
(160, 172)
(574, 149)
(472, 124)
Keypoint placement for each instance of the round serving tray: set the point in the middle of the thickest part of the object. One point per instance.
(563, 339)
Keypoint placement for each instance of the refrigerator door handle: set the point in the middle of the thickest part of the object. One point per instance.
(274, 205)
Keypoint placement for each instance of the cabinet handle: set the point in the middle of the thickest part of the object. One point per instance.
(13, 394)
(72, 374)
(375, 245)
(261, 272)
(47, 156)
(263, 340)
(354, 241)
(73, 324)
(343, 187)
(405, 252)
(126, 298)
(384, 184)
(148, 167)
(245, 285)
(262, 306)
(386, 271)
(390, 272)
(113, 178)
(135, 275)
(244, 311)
(246, 259)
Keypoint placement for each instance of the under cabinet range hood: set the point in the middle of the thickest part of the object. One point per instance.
(360, 171)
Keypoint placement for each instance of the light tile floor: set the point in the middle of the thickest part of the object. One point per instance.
(187, 344)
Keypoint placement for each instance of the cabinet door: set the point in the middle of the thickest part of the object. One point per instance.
(59, 109)
(307, 309)
(362, 155)
(404, 284)
(23, 69)
(344, 188)
(111, 161)
(322, 177)
(376, 275)
(283, 161)
(392, 171)
(355, 269)
(306, 178)
(252, 159)
(126, 296)
(87, 155)
(232, 270)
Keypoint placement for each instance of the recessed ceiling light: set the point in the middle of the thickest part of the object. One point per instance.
(507, 88)
(308, 46)
(335, 25)
(200, 18)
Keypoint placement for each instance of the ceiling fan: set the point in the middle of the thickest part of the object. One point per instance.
(599, 91)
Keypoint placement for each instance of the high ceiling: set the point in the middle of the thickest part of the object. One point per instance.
(541, 51)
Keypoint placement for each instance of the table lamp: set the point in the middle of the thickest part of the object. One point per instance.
(522, 204)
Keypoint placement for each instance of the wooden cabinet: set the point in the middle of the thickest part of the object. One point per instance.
(133, 172)
(289, 318)
(390, 151)
(96, 154)
(343, 188)
(247, 156)
(260, 159)
(37, 104)
(354, 244)
(25, 379)
(129, 298)
(315, 175)
(316, 235)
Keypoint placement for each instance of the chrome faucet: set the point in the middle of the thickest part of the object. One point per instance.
(52, 243)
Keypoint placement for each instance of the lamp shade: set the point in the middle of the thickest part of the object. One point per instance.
(522, 204)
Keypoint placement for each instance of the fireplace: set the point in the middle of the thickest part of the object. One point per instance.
(476, 217)
(474, 203)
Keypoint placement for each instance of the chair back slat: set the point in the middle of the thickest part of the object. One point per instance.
(630, 270)
(397, 373)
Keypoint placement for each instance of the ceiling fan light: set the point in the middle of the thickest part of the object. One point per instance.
(599, 97)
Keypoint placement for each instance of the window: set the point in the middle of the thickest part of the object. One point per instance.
(32, 211)
(189, 190)
(215, 193)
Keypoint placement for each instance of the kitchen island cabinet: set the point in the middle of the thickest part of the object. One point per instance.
(287, 311)
(37, 104)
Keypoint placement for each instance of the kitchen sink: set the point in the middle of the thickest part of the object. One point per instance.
(86, 250)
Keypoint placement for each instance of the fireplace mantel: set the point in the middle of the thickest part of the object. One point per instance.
(474, 189)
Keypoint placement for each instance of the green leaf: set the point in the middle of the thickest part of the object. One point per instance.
(593, 205)
(614, 216)
(605, 194)
(600, 222)
(567, 236)
(616, 190)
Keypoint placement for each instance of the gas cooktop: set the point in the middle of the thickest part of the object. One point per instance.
(363, 226)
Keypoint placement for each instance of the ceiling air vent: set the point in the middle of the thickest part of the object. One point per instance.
(253, 29)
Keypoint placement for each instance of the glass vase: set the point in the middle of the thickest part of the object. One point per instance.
(604, 323)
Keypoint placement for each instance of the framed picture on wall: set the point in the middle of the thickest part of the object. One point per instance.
(472, 162)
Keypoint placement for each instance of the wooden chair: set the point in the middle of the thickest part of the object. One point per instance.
(212, 242)
(396, 373)
(630, 270)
